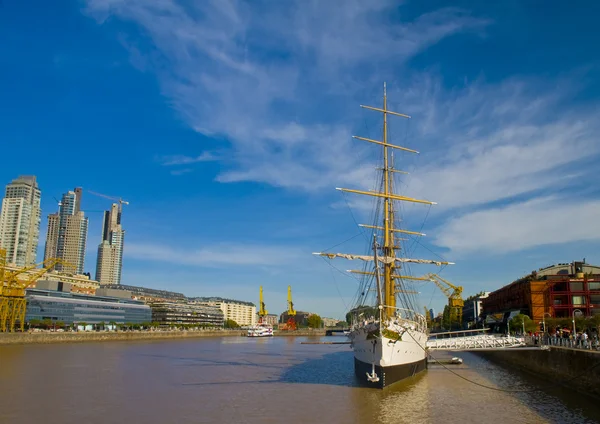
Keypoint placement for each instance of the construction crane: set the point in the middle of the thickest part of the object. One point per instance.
(116, 199)
(291, 312)
(12, 296)
(454, 295)
(262, 312)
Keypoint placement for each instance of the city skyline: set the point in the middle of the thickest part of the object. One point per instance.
(228, 127)
(66, 236)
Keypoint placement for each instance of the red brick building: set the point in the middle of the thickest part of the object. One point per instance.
(555, 291)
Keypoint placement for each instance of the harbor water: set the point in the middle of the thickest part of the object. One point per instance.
(259, 380)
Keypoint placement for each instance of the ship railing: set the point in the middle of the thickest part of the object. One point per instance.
(408, 316)
(403, 316)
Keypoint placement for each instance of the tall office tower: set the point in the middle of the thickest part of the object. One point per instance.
(20, 221)
(110, 250)
(67, 233)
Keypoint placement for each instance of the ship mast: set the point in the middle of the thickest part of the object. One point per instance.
(388, 258)
(388, 224)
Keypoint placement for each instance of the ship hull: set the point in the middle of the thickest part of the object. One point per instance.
(381, 361)
(387, 375)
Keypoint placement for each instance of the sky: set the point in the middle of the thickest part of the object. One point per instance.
(227, 126)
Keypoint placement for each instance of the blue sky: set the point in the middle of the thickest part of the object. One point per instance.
(227, 125)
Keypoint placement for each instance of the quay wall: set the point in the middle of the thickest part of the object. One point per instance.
(102, 336)
(575, 368)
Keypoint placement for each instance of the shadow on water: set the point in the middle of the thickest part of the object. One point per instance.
(334, 369)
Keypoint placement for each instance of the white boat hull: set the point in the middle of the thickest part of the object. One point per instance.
(260, 332)
(380, 361)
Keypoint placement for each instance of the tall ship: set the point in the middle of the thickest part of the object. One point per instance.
(262, 328)
(388, 335)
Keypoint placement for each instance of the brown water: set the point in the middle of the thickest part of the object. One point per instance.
(241, 380)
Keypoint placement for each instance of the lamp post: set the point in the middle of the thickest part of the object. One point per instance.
(574, 329)
(544, 320)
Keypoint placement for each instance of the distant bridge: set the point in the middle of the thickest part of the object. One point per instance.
(469, 340)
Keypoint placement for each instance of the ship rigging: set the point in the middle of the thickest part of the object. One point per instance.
(389, 339)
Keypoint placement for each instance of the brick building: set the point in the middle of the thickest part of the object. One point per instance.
(555, 291)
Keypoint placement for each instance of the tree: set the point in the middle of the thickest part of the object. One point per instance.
(229, 323)
(516, 323)
(315, 321)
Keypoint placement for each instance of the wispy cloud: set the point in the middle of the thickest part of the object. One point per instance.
(181, 171)
(219, 255)
(543, 221)
(187, 160)
(247, 71)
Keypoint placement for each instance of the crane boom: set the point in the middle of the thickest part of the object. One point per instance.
(116, 199)
(262, 312)
(291, 310)
(455, 300)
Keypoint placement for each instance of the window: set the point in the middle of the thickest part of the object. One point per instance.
(595, 299)
(576, 286)
(578, 300)
(594, 285)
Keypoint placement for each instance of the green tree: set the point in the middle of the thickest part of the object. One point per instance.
(315, 321)
(229, 323)
(516, 323)
(34, 323)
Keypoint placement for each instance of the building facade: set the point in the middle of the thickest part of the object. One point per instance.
(110, 250)
(243, 313)
(20, 220)
(270, 319)
(472, 313)
(169, 313)
(557, 291)
(151, 295)
(67, 233)
(75, 308)
(330, 322)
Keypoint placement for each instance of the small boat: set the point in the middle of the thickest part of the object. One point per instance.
(260, 330)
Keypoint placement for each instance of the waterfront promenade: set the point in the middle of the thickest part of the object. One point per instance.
(46, 337)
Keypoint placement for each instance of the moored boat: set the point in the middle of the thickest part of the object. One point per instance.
(388, 335)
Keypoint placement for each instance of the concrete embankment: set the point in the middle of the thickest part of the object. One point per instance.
(103, 336)
(575, 368)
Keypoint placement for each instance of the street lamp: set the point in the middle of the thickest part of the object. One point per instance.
(544, 320)
(574, 329)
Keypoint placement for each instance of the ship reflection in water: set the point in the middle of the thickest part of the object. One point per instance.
(263, 380)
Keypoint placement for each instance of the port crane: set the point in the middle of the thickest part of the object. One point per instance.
(454, 295)
(12, 291)
(291, 313)
(262, 311)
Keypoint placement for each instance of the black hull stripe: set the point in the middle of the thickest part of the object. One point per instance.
(387, 375)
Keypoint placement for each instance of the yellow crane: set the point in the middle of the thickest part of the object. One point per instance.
(291, 312)
(262, 312)
(12, 295)
(454, 295)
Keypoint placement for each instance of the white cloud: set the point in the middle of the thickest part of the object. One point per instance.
(543, 221)
(221, 255)
(267, 76)
(186, 160)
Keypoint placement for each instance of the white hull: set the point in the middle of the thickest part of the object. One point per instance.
(260, 331)
(398, 354)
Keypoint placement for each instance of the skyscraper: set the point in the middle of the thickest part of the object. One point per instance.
(67, 233)
(20, 221)
(110, 250)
